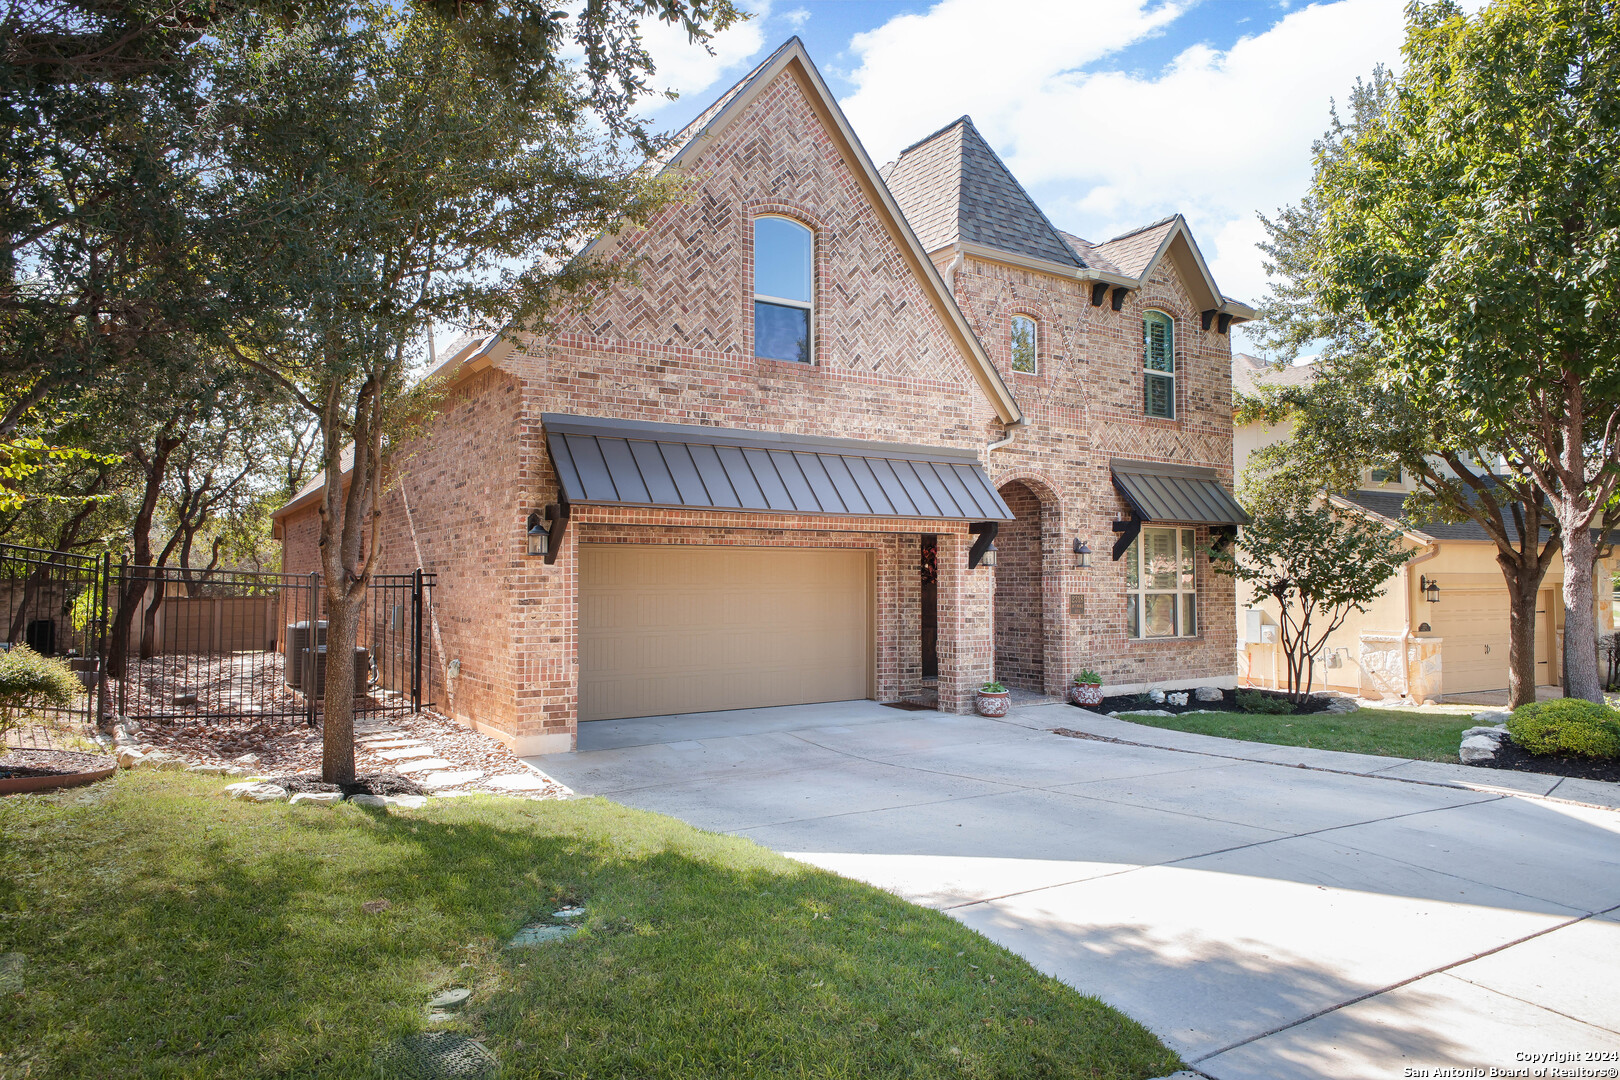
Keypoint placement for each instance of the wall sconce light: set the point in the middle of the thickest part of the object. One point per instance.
(1430, 588)
(989, 558)
(538, 536)
(1082, 554)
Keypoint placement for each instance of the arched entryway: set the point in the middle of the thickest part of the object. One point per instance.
(1020, 612)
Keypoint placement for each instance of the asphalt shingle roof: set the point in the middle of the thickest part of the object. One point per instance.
(1249, 373)
(952, 187)
(1132, 252)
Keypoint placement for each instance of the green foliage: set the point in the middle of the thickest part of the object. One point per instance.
(1420, 734)
(992, 688)
(1318, 564)
(1567, 726)
(1459, 237)
(1088, 677)
(1253, 701)
(31, 681)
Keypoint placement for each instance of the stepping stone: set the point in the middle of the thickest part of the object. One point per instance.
(256, 792)
(423, 765)
(319, 798)
(517, 782)
(386, 742)
(381, 802)
(407, 752)
(447, 779)
(541, 935)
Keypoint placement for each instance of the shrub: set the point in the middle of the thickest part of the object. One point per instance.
(1088, 677)
(992, 688)
(1568, 726)
(31, 681)
(1253, 701)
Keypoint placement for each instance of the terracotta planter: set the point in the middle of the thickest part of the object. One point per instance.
(1085, 694)
(994, 704)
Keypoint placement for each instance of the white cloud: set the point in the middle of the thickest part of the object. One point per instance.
(688, 69)
(1217, 135)
(797, 17)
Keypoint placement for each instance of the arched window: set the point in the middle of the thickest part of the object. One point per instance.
(1159, 365)
(1024, 334)
(782, 284)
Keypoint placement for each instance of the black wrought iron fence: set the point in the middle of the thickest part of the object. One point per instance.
(55, 602)
(252, 647)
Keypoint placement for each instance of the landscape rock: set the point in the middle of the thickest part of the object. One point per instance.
(1492, 716)
(1156, 696)
(1479, 749)
(247, 759)
(209, 770)
(447, 779)
(1340, 706)
(259, 792)
(161, 760)
(1499, 731)
(1176, 699)
(1147, 712)
(423, 765)
(320, 798)
(1209, 693)
(128, 756)
(383, 802)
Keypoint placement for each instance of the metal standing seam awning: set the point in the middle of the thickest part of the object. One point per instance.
(1180, 494)
(637, 463)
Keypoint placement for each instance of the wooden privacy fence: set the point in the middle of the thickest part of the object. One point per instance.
(211, 625)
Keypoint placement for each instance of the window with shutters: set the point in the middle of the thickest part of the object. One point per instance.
(1024, 334)
(1159, 365)
(782, 283)
(1161, 597)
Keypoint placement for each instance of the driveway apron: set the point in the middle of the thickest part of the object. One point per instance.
(1268, 912)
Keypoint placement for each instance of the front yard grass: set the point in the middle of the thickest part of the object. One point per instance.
(1408, 733)
(151, 928)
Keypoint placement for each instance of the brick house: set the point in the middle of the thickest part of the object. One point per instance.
(770, 472)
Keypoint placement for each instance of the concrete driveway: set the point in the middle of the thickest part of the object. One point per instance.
(1270, 912)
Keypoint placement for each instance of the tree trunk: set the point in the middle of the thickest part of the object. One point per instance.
(149, 620)
(1580, 624)
(1522, 639)
(337, 729)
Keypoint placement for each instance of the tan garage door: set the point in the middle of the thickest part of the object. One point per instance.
(693, 629)
(1474, 654)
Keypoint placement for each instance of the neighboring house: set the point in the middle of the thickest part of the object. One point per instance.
(770, 470)
(1405, 645)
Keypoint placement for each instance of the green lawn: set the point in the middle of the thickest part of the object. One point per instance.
(1407, 733)
(156, 929)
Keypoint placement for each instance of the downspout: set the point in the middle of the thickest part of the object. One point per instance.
(1406, 609)
(1011, 431)
(950, 274)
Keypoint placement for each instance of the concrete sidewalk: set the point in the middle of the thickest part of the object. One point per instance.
(1268, 911)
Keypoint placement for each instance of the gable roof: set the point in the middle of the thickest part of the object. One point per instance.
(792, 59)
(957, 192)
(953, 187)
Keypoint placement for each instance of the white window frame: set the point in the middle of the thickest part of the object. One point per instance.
(1184, 590)
(1034, 344)
(807, 306)
(1152, 373)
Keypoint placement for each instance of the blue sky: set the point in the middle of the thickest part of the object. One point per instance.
(1113, 113)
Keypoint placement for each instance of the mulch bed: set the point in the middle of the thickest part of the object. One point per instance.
(1228, 703)
(374, 784)
(1512, 756)
(17, 763)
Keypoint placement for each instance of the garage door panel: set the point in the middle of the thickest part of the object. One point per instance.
(694, 629)
(1473, 626)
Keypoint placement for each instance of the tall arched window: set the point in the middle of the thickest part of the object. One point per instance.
(1159, 365)
(782, 289)
(1024, 335)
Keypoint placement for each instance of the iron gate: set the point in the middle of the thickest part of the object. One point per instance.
(55, 602)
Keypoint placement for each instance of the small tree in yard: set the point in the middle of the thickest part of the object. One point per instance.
(31, 681)
(1319, 566)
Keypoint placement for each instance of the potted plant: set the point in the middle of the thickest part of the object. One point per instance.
(1086, 689)
(993, 699)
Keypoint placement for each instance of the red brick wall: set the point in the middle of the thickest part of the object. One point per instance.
(1020, 626)
(1084, 408)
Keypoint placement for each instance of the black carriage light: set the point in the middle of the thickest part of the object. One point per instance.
(539, 537)
(989, 558)
(1430, 588)
(1082, 554)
